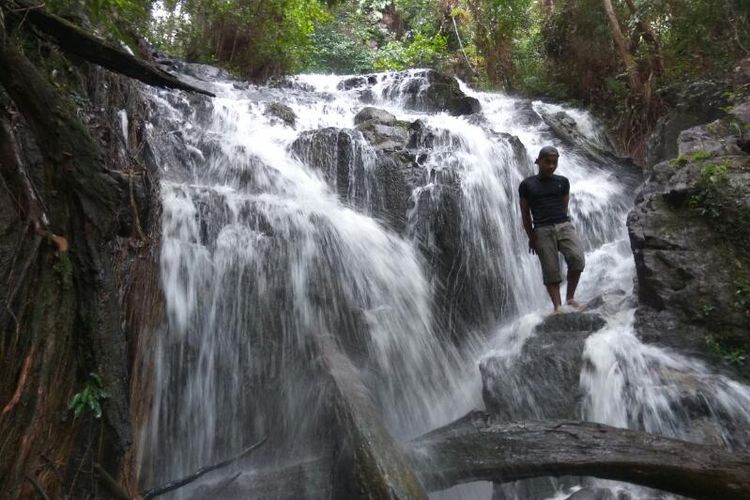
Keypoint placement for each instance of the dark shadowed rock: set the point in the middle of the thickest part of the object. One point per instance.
(571, 322)
(543, 381)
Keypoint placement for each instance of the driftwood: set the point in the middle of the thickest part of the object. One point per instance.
(474, 448)
(74, 40)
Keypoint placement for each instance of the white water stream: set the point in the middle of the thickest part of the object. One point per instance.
(260, 256)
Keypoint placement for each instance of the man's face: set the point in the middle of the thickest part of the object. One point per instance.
(547, 165)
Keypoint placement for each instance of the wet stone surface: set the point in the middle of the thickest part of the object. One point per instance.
(543, 381)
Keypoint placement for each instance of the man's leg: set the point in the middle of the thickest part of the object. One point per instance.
(546, 249)
(572, 249)
(553, 289)
(570, 292)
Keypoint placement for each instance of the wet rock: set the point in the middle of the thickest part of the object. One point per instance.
(564, 126)
(571, 322)
(203, 72)
(332, 151)
(289, 82)
(525, 114)
(375, 115)
(592, 494)
(367, 96)
(543, 381)
(600, 151)
(282, 112)
(352, 83)
(424, 90)
(368, 167)
(441, 94)
(382, 130)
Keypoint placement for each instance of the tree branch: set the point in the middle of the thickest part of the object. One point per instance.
(173, 485)
(75, 41)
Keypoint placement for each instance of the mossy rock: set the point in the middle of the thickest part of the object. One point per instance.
(282, 112)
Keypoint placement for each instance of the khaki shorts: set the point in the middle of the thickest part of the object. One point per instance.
(556, 238)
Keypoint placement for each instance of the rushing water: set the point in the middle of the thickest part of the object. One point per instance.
(263, 264)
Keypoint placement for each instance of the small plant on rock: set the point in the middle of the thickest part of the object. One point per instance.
(731, 354)
(90, 398)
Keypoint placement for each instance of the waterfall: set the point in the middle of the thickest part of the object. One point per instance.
(271, 256)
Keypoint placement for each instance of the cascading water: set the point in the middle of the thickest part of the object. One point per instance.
(271, 255)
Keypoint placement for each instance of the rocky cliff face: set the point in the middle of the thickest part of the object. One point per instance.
(378, 166)
(690, 231)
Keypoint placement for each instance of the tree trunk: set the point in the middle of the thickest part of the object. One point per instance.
(62, 321)
(621, 43)
(77, 42)
(650, 36)
(474, 448)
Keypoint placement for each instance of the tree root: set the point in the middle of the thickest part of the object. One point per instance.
(21, 383)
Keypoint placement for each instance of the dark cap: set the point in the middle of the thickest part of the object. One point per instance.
(547, 151)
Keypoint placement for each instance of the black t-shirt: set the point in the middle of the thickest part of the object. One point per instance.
(545, 197)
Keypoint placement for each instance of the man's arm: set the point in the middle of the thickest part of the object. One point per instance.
(566, 200)
(526, 216)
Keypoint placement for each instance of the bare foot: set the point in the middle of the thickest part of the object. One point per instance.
(556, 312)
(576, 305)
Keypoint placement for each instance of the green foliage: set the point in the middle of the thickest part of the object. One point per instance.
(421, 51)
(714, 173)
(115, 19)
(341, 44)
(683, 160)
(742, 295)
(90, 398)
(501, 27)
(733, 355)
(256, 39)
(710, 198)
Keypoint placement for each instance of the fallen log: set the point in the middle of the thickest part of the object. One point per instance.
(475, 448)
(74, 40)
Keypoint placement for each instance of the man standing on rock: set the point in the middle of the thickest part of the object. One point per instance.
(545, 196)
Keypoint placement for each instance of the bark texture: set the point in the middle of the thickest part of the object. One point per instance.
(61, 319)
(475, 448)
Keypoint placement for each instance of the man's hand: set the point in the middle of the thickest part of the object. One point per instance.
(532, 244)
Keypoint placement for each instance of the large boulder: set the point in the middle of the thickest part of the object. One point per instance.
(542, 382)
(369, 166)
(700, 102)
(690, 230)
(432, 92)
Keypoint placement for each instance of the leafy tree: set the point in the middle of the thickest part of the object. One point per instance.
(255, 38)
(342, 43)
(499, 24)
